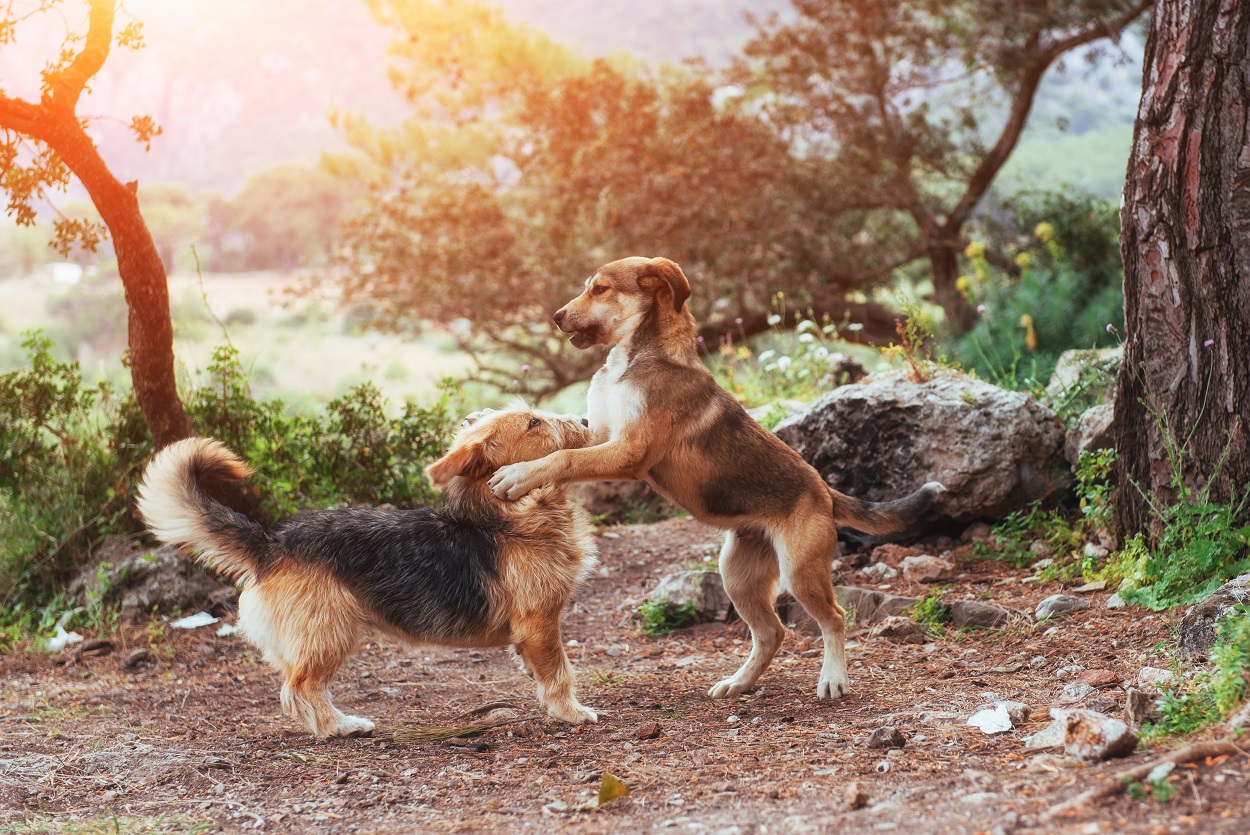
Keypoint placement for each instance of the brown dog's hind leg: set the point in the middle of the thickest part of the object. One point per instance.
(543, 653)
(748, 565)
(806, 554)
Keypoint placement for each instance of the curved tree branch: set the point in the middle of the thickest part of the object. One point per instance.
(73, 80)
(1022, 103)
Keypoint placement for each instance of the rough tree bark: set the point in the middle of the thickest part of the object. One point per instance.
(1186, 246)
(53, 122)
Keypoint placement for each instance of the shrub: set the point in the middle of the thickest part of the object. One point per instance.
(1054, 290)
(1213, 695)
(801, 364)
(71, 455)
(655, 617)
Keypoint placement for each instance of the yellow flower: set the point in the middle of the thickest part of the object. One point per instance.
(974, 250)
(1024, 260)
(963, 284)
(1030, 335)
(744, 352)
(1044, 231)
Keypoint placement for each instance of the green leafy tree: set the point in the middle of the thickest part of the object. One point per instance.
(912, 108)
(524, 168)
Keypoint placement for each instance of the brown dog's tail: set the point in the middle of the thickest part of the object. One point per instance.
(177, 510)
(884, 517)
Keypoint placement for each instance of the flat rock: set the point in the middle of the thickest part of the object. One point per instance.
(886, 736)
(1091, 736)
(994, 450)
(976, 614)
(899, 630)
(894, 554)
(1198, 627)
(1140, 708)
(1155, 679)
(927, 569)
(1098, 678)
(1059, 604)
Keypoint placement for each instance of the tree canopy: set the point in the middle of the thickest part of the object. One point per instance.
(852, 139)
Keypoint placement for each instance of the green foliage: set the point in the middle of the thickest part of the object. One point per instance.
(655, 617)
(801, 364)
(1213, 695)
(70, 458)
(1095, 486)
(64, 469)
(931, 613)
(1196, 545)
(1055, 290)
(1065, 533)
(353, 454)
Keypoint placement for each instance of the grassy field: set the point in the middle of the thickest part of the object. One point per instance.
(302, 348)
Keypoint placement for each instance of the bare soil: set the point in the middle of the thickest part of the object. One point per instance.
(194, 738)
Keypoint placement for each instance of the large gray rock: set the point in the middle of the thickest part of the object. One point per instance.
(994, 450)
(1085, 734)
(143, 579)
(1199, 626)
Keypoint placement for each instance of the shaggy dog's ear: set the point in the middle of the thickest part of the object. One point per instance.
(467, 461)
(661, 273)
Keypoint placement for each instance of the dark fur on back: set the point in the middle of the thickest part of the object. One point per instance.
(425, 572)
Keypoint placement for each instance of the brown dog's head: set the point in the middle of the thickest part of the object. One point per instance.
(618, 295)
(489, 439)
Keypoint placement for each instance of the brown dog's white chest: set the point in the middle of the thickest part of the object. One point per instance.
(612, 404)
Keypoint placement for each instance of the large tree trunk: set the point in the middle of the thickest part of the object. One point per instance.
(1186, 247)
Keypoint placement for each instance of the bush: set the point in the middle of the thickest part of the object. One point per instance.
(1056, 289)
(1212, 696)
(71, 456)
(801, 364)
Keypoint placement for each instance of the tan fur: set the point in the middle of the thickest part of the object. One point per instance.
(657, 415)
(307, 622)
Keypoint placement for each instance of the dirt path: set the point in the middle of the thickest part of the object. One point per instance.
(195, 741)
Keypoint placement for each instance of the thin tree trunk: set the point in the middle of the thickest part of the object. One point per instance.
(1186, 247)
(945, 263)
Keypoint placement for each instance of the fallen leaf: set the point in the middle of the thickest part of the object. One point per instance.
(611, 788)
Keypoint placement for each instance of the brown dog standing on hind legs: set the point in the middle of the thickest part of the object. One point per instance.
(480, 572)
(657, 415)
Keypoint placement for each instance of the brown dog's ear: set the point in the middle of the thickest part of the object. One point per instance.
(662, 272)
(467, 461)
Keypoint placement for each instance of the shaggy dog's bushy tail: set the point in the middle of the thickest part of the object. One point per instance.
(884, 517)
(178, 511)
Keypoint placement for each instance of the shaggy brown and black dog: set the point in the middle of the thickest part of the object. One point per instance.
(481, 572)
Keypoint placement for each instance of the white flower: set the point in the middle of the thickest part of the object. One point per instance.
(806, 337)
(805, 326)
(783, 362)
(765, 356)
(774, 319)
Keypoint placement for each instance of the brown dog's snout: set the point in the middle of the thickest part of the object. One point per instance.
(558, 316)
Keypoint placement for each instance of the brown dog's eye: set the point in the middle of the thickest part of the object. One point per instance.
(534, 422)
(598, 289)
